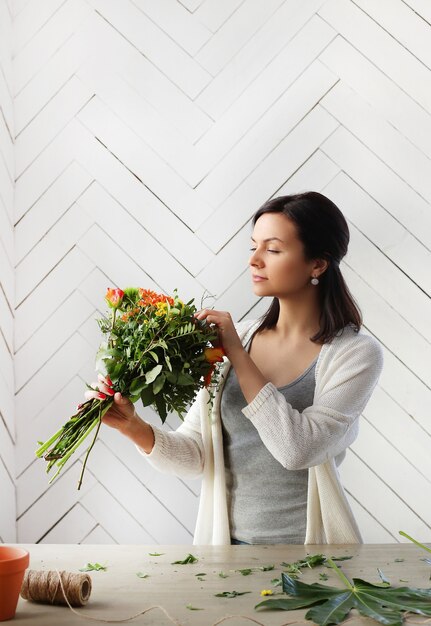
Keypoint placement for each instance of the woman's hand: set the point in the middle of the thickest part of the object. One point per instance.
(122, 416)
(228, 336)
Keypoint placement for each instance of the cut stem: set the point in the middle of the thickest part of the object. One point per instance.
(421, 545)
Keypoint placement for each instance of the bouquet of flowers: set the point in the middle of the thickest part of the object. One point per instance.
(155, 350)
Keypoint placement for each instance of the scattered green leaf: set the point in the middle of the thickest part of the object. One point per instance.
(399, 560)
(93, 567)
(311, 560)
(156, 553)
(223, 575)
(266, 568)
(193, 608)
(331, 605)
(142, 575)
(201, 574)
(231, 594)
(189, 559)
(245, 572)
(276, 582)
(323, 576)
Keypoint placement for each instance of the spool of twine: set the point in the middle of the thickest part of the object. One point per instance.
(48, 588)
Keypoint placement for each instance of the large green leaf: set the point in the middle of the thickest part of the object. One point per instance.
(331, 605)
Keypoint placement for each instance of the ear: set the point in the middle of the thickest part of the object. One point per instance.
(320, 266)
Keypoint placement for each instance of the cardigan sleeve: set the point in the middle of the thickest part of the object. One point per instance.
(179, 452)
(346, 380)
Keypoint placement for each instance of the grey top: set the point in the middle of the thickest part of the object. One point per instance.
(267, 503)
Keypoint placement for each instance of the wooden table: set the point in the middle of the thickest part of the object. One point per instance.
(118, 592)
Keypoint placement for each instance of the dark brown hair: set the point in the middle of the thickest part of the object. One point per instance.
(324, 233)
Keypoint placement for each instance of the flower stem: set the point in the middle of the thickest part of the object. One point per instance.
(421, 545)
(340, 574)
(88, 452)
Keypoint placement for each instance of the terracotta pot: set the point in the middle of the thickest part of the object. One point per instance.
(13, 563)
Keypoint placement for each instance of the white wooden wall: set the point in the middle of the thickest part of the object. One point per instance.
(7, 175)
(147, 132)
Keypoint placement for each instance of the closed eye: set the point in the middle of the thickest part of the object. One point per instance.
(274, 251)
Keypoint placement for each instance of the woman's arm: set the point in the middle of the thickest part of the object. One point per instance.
(300, 440)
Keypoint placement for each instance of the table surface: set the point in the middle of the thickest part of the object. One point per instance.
(118, 593)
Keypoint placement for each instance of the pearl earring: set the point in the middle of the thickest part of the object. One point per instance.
(314, 281)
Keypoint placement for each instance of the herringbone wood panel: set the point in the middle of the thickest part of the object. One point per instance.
(146, 135)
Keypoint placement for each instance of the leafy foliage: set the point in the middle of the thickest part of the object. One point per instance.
(331, 605)
(154, 350)
(188, 559)
(93, 567)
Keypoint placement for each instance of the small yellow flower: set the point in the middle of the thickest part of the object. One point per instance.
(161, 308)
(266, 592)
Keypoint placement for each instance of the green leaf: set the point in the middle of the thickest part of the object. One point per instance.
(245, 572)
(331, 605)
(161, 407)
(137, 385)
(142, 575)
(231, 594)
(323, 576)
(266, 568)
(189, 559)
(223, 575)
(154, 355)
(158, 383)
(153, 373)
(311, 560)
(156, 553)
(193, 608)
(93, 567)
(147, 396)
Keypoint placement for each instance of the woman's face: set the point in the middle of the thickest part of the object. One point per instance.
(277, 261)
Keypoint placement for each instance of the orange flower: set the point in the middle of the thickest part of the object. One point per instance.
(151, 297)
(213, 356)
(114, 297)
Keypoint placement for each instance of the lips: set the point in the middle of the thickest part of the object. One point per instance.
(257, 278)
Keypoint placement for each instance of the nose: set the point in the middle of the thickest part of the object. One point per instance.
(255, 259)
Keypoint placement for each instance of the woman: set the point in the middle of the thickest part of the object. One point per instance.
(294, 385)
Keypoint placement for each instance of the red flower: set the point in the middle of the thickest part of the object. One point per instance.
(114, 297)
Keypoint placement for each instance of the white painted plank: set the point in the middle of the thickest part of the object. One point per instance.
(48, 296)
(144, 120)
(52, 205)
(6, 364)
(242, 26)
(268, 48)
(59, 498)
(7, 449)
(391, 329)
(139, 501)
(371, 492)
(47, 253)
(406, 291)
(55, 412)
(403, 24)
(30, 18)
(391, 102)
(285, 159)
(177, 23)
(71, 528)
(7, 407)
(6, 320)
(53, 333)
(6, 146)
(52, 377)
(421, 7)
(212, 14)
(371, 529)
(7, 510)
(154, 215)
(380, 48)
(7, 232)
(37, 50)
(388, 189)
(50, 122)
(384, 140)
(143, 162)
(97, 536)
(260, 134)
(151, 41)
(119, 523)
(398, 474)
(153, 258)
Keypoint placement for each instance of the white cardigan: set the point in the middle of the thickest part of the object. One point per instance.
(347, 370)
